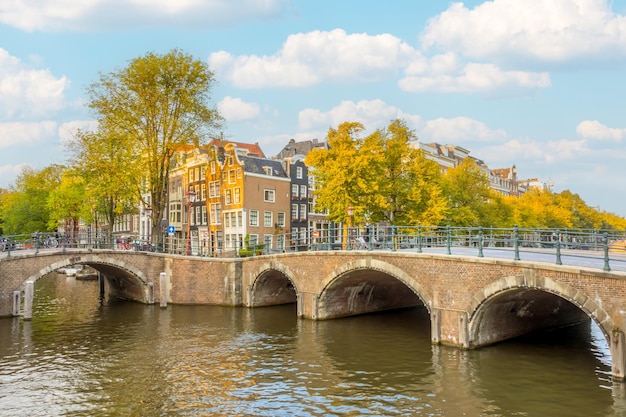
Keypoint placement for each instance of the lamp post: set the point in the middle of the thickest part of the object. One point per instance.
(346, 227)
(191, 198)
(148, 213)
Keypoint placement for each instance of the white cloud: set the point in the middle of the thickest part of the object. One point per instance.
(88, 15)
(68, 130)
(235, 109)
(373, 114)
(9, 172)
(549, 31)
(475, 78)
(17, 134)
(526, 152)
(459, 130)
(306, 59)
(592, 129)
(27, 92)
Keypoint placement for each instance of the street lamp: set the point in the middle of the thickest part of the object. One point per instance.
(350, 213)
(148, 213)
(191, 198)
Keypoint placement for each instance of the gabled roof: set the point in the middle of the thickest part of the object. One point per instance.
(262, 166)
(241, 148)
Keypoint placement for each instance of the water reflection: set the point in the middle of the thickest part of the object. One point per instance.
(81, 357)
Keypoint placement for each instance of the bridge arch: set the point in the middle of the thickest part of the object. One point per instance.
(273, 285)
(368, 285)
(123, 279)
(512, 306)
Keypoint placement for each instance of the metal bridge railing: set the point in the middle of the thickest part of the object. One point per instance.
(605, 249)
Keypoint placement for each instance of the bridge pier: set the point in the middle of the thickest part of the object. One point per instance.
(29, 294)
(618, 354)
(449, 327)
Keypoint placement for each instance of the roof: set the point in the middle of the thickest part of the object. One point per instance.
(252, 149)
(256, 165)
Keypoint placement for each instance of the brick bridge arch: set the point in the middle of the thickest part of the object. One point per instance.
(503, 304)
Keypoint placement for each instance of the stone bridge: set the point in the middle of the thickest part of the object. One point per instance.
(472, 301)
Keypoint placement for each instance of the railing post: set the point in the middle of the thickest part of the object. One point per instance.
(9, 244)
(558, 248)
(36, 243)
(394, 243)
(606, 252)
(419, 238)
(516, 242)
(448, 240)
(64, 243)
(480, 241)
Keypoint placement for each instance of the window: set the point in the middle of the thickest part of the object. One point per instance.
(267, 239)
(294, 190)
(267, 219)
(216, 216)
(240, 218)
(239, 172)
(231, 176)
(299, 173)
(228, 197)
(203, 172)
(203, 192)
(268, 170)
(253, 240)
(212, 167)
(302, 211)
(269, 196)
(254, 217)
(280, 219)
(294, 212)
(237, 195)
(214, 189)
(205, 217)
(303, 191)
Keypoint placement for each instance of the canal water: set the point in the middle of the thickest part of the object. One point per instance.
(80, 356)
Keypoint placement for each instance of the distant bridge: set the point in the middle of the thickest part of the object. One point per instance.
(473, 301)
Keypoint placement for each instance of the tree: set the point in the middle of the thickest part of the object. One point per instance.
(104, 161)
(155, 105)
(468, 192)
(24, 206)
(343, 172)
(410, 182)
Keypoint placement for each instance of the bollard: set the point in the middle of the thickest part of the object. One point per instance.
(163, 288)
(17, 296)
(28, 300)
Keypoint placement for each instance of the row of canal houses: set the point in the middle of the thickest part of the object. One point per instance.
(228, 195)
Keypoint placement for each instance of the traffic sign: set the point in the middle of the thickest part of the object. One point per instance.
(171, 230)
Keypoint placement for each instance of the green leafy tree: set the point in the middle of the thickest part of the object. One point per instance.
(155, 105)
(66, 203)
(24, 206)
(103, 160)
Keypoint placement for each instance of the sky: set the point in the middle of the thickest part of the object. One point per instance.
(539, 85)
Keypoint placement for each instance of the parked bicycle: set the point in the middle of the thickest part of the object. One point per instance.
(45, 241)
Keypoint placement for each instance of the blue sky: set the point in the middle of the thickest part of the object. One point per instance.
(539, 85)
